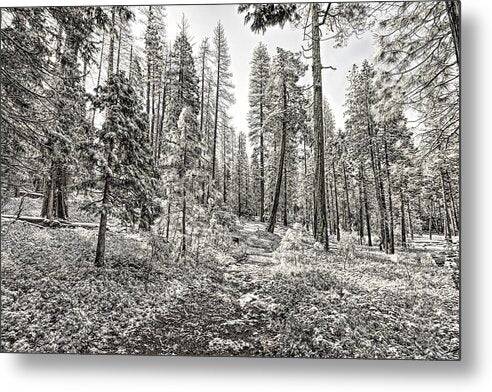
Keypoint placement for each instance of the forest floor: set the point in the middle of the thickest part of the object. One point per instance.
(253, 294)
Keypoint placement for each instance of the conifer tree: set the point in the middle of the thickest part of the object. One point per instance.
(121, 159)
(223, 87)
(258, 81)
(286, 71)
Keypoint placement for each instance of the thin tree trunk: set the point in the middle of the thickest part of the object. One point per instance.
(366, 208)
(101, 238)
(99, 73)
(224, 165)
(403, 224)
(337, 214)
(148, 81)
(183, 210)
(168, 217)
(217, 94)
(119, 52)
(306, 201)
(130, 61)
(385, 228)
(348, 221)
(285, 195)
(202, 90)
(331, 206)
(453, 205)
(377, 182)
(278, 184)
(446, 211)
(410, 219)
(262, 167)
(361, 212)
(390, 200)
(431, 212)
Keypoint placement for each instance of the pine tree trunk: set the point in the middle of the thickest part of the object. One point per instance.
(285, 195)
(431, 212)
(321, 224)
(348, 221)
(384, 212)
(335, 190)
(55, 198)
(183, 222)
(119, 53)
(148, 83)
(453, 11)
(168, 221)
(331, 206)
(163, 110)
(307, 198)
(202, 90)
(224, 166)
(361, 212)
(455, 218)
(390, 201)
(366, 208)
(403, 224)
(99, 73)
(101, 238)
(239, 190)
(216, 120)
(409, 211)
(446, 211)
(130, 62)
(157, 122)
(152, 110)
(262, 166)
(183, 209)
(377, 183)
(281, 163)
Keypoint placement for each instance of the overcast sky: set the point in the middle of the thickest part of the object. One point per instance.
(202, 20)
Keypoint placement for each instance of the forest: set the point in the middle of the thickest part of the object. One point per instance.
(136, 218)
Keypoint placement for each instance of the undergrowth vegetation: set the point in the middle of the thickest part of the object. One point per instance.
(306, 304)
(351, 303)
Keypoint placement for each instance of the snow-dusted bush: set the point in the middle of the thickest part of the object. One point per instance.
(348, 245)
(291, 250)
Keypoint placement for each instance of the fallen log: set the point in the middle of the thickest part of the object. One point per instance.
(31, 194)
(46, 222)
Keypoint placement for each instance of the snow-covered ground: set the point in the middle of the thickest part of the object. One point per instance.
(255, 293)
